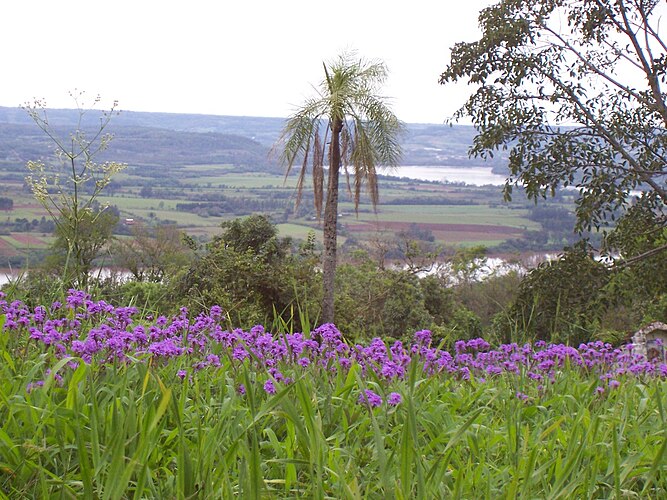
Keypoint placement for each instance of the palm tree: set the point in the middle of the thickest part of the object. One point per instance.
(352, 126)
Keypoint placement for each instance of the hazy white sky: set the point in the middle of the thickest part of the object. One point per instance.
(243, 57)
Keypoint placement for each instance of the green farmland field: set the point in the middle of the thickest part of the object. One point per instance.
(446, 214)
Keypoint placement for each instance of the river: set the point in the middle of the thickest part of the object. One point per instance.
(6, 275)
(476, 176)
(9, 275)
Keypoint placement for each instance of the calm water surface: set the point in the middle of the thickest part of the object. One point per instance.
(476, 176)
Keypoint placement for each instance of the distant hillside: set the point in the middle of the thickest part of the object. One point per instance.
(170, 139)
(141, 146)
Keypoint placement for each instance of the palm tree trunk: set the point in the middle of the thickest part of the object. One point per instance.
(330, 226)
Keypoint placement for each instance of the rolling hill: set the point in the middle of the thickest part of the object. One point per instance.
(172, 139)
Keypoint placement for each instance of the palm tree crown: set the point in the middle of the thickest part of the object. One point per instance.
(353, 128)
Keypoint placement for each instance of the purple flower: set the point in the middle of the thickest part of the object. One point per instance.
(76, 298)
(240, 353)
(165, 349)
(328, 333)
(275, 373)
(423, 337)
(478, 344)
(241, 389)
(494, 370)
(213, 360)
(344, 363)
(394, 399)
(98, 330)
(33, 385)
(40, 314)
(370, 398)
(216, 312)
(269, 387)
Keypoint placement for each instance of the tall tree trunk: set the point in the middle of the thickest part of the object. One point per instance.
(330, 226)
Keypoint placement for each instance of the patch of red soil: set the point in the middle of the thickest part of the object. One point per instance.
(27, 239)
(7, 249)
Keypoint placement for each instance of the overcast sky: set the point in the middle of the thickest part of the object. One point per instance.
(243, 57)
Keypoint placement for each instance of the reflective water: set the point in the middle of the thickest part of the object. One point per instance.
(476, 176)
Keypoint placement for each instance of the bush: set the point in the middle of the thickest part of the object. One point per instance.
(252, 274)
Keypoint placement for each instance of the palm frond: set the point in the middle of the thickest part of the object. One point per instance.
(370, 136)
(298, 132)
(345, 147)
(318, 174)
(301, 178)
(363, 159)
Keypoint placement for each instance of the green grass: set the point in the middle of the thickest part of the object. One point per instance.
(140, 431)
(243, 181)
(127, 203)
(185, 219)
(453, 214)
(208, 168)
(299, 231)
(136, 430)
(30, 212)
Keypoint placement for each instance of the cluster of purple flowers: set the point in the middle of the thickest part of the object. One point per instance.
(96, 331)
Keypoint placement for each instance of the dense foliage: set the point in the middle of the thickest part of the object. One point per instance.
(252, 273)
(259, 277)
(574, 90)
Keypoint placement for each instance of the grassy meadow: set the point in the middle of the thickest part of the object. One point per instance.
(99, 401)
